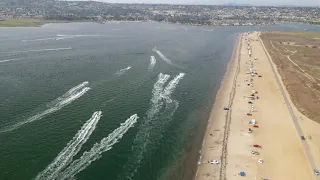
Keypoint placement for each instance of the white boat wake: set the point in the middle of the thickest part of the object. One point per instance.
(73, 147)
(122, 71)
(40, 50)
(154, 123)
(166, 94)
(164, 58)
(95, 152)
(156, 96)
(8, 60)
(76, 88)
(83, 35)
(70, 96)
(171, 105)
(153, 62)
(44, 39)
(47, 39)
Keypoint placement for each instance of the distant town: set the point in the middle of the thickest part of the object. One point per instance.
(182, 14)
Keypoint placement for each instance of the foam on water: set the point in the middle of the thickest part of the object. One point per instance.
(8, 60)
(152, 62)
(73, 147)
(153, 124)
(84, 35)
(40, 50)
(76, 88)
(95, 152)
(73, 94)
(44, 39)
(171, 87)
(122, 71)
(164, 58)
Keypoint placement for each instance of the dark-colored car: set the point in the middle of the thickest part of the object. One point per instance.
(302, 137)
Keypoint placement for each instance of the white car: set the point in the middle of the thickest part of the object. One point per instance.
(255, 152)
(214, 162)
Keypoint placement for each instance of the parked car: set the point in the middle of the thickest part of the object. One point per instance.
(316, 172)
(255, 152)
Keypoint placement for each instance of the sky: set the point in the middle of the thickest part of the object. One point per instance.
(218, 2)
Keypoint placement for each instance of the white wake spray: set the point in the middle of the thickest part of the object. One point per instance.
(153, 62)
(76, 88)
(95, 152)
(73, 147)
(166, 94)
(32, 40)
(152, 126)
(163, 57)
(70, 96)
(8, 60)
(122, 71)
(40, 50)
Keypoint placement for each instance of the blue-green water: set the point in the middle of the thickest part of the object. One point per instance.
(40, 113)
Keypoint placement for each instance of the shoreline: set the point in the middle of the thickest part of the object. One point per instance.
(228, 147)
(256, 145)
(219, 120)
(43, 22)
(26, 22)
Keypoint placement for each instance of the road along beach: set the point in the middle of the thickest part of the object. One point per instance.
(251, 132)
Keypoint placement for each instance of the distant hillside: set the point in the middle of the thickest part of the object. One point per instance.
(25, 2)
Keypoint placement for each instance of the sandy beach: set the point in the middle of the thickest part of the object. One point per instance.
(231, 134)
(214, 144)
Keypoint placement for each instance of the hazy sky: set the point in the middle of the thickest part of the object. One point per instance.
(217, 2)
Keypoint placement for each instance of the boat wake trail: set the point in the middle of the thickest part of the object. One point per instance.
(76, 88)
(44, 39)
(152, 63)
(95, 152)
(70, 96)
(40, 50)
(59, 37)
(8, 60)
(210, 30)
(122, 71)
(84, 35)
(171, 87)
(151, 129)
(73, 147)
(164, 58)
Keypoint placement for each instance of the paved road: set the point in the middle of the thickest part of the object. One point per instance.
(293, 116)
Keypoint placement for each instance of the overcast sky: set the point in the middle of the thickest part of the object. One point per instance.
(217, 2)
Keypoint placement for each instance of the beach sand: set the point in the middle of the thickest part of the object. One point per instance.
(214, 144)
(227, 139)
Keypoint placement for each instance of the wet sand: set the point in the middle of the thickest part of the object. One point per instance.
(227, 138)
(215, 139)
